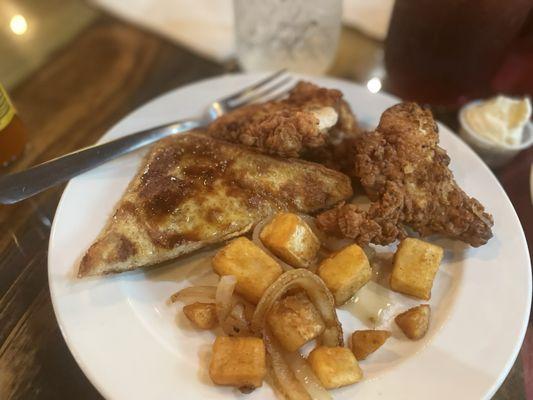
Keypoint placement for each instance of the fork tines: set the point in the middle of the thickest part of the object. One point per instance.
(273, 87)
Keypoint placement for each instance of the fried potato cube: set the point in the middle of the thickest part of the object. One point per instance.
(415, 265)
(366, 342)
(202, 315)
(335, 366)
(291, 239)
(294, 321)
(345, 272)
(238, 361)
(254, 269)
(414, 322)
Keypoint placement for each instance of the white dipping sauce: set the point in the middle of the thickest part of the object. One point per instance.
(500, 119)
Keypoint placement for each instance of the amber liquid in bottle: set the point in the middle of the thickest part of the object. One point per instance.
(12, 131)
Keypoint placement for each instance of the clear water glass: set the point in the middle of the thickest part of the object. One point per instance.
(300, 35)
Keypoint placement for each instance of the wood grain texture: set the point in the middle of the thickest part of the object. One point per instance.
(108, 70)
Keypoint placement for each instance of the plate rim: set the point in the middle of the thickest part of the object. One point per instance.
(87, 370)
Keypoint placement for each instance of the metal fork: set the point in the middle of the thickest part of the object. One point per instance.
(21, 185)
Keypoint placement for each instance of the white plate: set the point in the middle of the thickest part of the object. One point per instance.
(132, 345)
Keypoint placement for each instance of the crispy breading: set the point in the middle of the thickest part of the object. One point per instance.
(405, 173)
(291, 126)
(338, 153)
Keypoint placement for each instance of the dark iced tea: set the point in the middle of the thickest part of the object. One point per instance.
(445, 52)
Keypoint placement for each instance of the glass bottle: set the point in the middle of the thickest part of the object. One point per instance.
(12, 131)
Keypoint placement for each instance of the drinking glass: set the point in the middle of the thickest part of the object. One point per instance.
(300, 35)
(446, 52)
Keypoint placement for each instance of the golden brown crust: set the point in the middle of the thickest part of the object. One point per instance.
(194, 190)
(405, 173)
(287, 127)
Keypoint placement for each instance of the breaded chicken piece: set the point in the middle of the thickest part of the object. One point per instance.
(405, 174)
(288, 127)
(338, 153)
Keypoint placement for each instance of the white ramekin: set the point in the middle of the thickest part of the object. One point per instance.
(494, 154)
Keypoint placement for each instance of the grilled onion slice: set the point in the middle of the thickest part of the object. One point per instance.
(317, 292)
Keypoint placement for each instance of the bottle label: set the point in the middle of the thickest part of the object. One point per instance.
(7, 111)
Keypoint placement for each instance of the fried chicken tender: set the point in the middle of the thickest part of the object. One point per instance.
(291, 126)
(405, 174)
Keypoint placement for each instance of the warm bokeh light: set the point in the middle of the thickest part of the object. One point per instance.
(18, 24)
(374, 85)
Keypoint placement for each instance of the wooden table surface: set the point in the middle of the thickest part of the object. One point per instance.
(109, 69)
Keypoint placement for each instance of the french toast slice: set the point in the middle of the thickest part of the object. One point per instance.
(193, 190)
